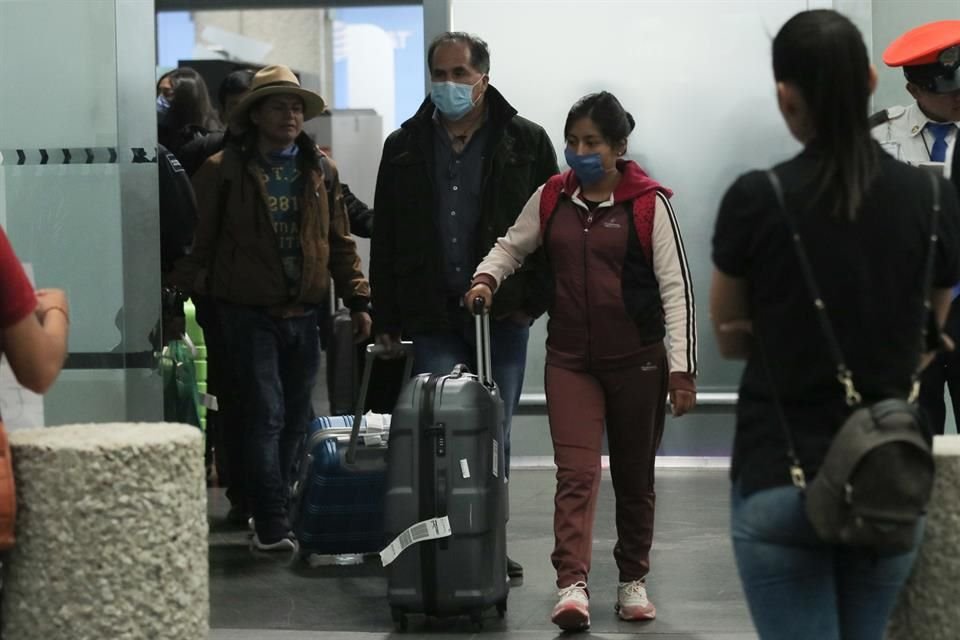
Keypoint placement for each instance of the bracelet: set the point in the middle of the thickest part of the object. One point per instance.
(66, 315)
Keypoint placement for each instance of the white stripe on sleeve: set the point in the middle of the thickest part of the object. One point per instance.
(676, 288)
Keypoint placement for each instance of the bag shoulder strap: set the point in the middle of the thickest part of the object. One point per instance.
(844, 375)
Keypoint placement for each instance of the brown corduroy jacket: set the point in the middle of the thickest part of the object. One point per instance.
(235, 255)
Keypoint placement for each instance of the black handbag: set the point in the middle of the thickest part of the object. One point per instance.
(875, 481)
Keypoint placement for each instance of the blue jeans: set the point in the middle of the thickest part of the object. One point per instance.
(276, 361)
(440, 352)
(800, 588)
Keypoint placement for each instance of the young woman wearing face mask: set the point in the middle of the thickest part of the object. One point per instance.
(620, 285)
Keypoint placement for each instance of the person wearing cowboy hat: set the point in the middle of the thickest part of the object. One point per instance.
(272, 231)
(925, 134)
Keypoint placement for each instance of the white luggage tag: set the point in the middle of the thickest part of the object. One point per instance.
(419, 532)
(371, 439)
(377, 426)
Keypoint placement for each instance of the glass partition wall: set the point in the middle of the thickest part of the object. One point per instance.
(78, 190)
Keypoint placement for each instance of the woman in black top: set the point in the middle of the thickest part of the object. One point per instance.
(864, 219)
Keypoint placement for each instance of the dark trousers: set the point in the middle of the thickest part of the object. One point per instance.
(441, 351)
(631, 402)
(225, 425)
(945, 369)
(276, 361)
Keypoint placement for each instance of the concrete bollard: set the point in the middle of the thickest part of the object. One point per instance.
(111, 534)
(928, 603)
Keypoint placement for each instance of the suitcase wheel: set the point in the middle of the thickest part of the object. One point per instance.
(399, 619)
(502, 609)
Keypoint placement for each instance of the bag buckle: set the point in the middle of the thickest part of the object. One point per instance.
(797, 476)
(914, 392)
(853, 396)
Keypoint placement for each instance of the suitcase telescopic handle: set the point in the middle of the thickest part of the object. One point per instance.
(484, 359)
(374, 352)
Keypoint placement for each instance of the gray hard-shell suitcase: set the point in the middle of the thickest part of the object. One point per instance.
(446, 459)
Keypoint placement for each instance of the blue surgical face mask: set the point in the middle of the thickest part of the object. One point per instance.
(454, 100)
(588, 167)
(163, 105)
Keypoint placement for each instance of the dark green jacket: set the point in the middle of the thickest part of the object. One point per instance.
(406, 260)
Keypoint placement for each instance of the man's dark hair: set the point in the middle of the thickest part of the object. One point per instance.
(479, 52)
(235, 83)
(822, 53)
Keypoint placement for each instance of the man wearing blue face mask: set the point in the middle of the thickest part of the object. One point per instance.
(452, 180)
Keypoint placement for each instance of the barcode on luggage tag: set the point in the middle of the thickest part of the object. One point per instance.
(426, 530)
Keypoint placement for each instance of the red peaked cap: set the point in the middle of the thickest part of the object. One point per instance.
(923, 44)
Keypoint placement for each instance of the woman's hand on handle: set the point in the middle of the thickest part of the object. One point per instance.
(478, 290)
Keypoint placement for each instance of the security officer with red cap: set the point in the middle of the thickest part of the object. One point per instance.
(925, 134)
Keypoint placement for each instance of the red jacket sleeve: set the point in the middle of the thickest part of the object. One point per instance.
(17, 298)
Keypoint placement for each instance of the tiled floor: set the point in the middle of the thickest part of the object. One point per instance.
(693, 580)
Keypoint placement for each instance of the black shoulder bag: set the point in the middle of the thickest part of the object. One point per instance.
(875, 480)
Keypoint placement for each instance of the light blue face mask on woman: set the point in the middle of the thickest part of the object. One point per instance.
(454, 100)
(588, 167)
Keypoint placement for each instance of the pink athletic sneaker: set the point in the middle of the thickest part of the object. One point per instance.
(572, 612)
(632, 602)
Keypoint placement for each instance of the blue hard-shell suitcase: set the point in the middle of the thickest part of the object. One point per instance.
(337, 499)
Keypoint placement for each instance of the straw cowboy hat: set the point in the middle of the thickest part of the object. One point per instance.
(272, 80)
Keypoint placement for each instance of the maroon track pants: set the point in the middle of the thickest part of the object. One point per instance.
(631, 402)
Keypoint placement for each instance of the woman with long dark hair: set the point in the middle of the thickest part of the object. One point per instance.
(621, 285)
(864, 221)
(185, 109)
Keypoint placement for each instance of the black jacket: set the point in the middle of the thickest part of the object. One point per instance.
(360, 215)
(406, 261)
(178, 209)
(194, 153)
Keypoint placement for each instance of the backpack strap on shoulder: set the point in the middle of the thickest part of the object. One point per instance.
(644, 208)
(549, 198)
